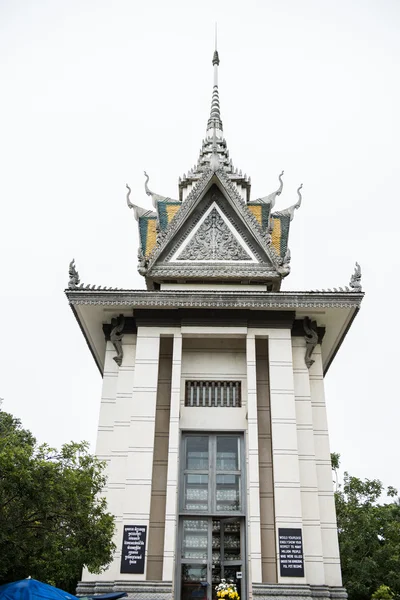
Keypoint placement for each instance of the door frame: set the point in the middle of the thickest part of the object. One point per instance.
(208, 563)
(240, 515)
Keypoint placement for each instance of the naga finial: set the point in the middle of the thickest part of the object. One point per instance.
(74, 279)
(279, 190)
(355, 280)
(298, 203)
(129, 203)
(146, 187)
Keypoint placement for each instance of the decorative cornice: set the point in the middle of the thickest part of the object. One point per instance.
(191, 299)
(213, 271)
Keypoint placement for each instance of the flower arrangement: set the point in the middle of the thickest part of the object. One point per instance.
(227, 590)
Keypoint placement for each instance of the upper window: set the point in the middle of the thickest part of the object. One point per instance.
(213, 393)
(212, 474)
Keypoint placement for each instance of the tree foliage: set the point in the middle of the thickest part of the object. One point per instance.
(53, 520)
(369, 538)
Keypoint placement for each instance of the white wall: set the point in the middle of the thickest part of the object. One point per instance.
(330, 544)
(113, 441)
(302, 479)
(213, 358)
(312, 541)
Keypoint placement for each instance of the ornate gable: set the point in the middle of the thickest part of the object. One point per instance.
(214, 236)
(214, 240)
(214, 231)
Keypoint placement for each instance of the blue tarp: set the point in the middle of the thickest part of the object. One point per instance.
(30, 589)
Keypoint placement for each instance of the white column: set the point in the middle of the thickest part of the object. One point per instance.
(113, 441)
(330, 544)
(173, 463)
(285, 457)
(312, 541)
(140, 433)
(255, 576)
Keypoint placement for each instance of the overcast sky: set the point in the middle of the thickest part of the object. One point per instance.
(95, 91)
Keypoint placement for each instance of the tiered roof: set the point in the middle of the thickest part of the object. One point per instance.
(214, 180)
(214, 233)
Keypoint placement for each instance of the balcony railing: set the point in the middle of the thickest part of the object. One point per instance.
(213, 393)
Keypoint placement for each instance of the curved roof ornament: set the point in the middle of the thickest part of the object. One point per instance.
(271, 198)
(129, 203)
(355, 280)
(298, 203)
(289, 212)
(138, 211)
(154, 197)
(74, 279)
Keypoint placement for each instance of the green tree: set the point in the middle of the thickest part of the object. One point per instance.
(53, 520)
(383, 593)
(369, 537)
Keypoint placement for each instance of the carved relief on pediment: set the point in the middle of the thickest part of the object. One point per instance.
(213, 240)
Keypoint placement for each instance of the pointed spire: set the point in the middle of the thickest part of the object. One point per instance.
(214, 122)
(214, 160)
(214, 153)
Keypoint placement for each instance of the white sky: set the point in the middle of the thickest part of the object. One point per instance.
(95, 91)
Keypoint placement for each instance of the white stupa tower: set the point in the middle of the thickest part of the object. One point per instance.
(213, 420)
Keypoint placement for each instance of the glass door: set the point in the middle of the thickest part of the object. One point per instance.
(227, 553)
(211, 550)
(195, 550)
(212, 515)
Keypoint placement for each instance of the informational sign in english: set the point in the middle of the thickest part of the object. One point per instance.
(291, 559)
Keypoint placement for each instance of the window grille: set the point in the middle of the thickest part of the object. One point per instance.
(213, 393)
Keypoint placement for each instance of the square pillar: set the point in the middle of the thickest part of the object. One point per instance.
(330, 542)
(312, 541)
(285, 458)
(140, 434)
(255, 575)
(173, 462)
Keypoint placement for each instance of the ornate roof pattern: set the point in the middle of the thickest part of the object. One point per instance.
(78, 291)
(269, 229)
(213, 240)
(213, 299)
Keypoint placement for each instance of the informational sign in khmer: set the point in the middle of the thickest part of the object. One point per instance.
(133, 549)
(291, 559)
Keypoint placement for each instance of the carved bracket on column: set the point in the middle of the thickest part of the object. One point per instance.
(116, 335)
(311, 337)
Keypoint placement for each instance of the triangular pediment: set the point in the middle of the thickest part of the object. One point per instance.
(214, 235)
(214, 239)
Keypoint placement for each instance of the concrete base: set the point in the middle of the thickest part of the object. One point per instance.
(139, 590)
(271, 591)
